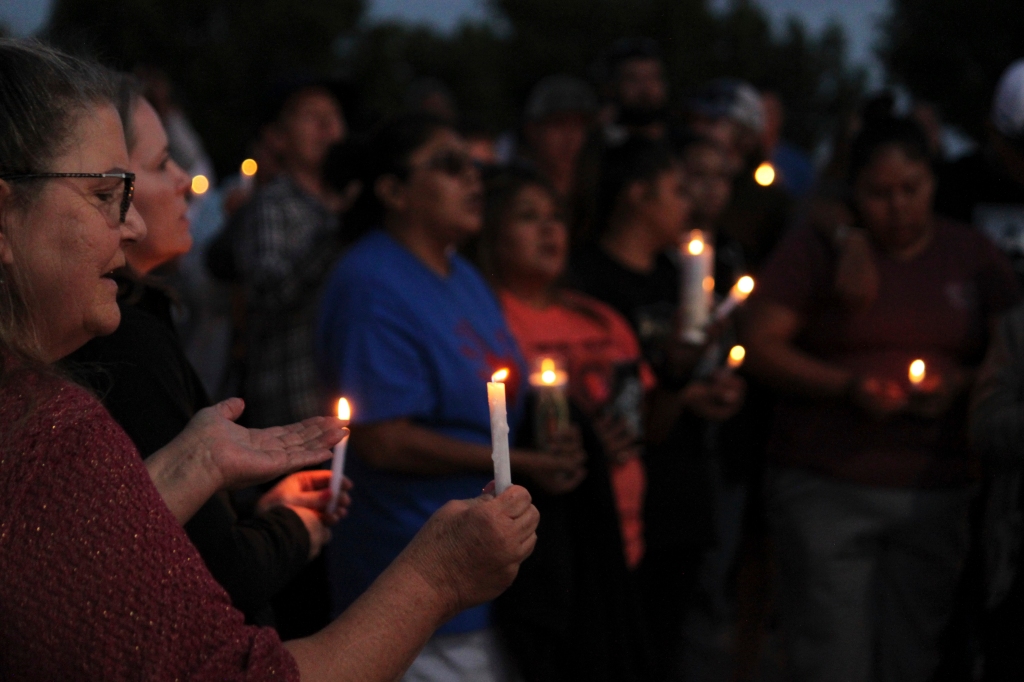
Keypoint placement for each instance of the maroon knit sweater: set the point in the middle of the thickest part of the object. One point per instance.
(98, 581)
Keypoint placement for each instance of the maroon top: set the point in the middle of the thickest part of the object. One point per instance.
(935, 306)
(99, 581)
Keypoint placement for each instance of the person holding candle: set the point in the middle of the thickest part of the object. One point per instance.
(871, 479)
(644, 212)
(152, 391)
(410, 333)
(100, 580)
(585, 546)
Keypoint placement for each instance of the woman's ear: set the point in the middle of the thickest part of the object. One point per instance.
(391, 192)
(6, 213)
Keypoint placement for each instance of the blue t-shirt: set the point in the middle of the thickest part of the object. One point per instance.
(400, 341)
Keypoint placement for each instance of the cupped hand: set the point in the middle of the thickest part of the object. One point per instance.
(718, 398)
(469, 551)
(935, 395)
(879, 398)
(617, 438)
(309, 489)
(559, 469)
(317, 528)
(236, 457)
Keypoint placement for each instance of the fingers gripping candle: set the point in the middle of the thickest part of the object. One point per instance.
(338, 463)
(499, 431)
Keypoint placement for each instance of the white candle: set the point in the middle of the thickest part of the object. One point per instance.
(697, 286)
(499, 431)
(739, 292)
(338, 463)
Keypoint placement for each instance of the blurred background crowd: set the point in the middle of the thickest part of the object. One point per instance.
(379, 210)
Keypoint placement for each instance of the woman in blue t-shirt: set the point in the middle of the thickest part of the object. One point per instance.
(410, 333)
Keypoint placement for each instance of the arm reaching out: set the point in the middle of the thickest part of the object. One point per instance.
(213, 453)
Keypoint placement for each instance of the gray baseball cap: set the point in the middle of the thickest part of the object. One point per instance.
(559, 94)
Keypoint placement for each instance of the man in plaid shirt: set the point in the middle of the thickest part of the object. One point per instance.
(287, 243)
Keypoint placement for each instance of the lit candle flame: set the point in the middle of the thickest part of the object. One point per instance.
(500, 375)
(696, 246)
(736, 356)
(249, 167)
(200, 184)
(344, 410)
(765, 174)
(917, 372)
(745, 285)
(547, 371)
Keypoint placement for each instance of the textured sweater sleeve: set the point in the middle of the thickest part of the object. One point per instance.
(100, 582)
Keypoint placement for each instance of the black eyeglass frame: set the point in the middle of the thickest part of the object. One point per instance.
(128, 177)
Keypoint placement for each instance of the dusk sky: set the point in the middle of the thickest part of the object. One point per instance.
(858, 17)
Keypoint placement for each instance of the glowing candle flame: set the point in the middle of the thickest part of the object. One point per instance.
(200, 184)
(765, 174)
(736, 356)
(547, 371)
(249, 167)
(916, 372)
(745, 285)
(696, 247)
(499, 376)
(344, 411)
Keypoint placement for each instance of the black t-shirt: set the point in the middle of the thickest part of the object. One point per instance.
(679, 505)
(976, 190)
(148, 385)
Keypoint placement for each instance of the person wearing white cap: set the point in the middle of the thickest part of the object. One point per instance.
(986, 188)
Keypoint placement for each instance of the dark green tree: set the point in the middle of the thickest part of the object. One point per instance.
(952, 52)
(220, 54)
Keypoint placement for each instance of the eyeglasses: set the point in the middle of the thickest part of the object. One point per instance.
(450, 163)
(126, 196)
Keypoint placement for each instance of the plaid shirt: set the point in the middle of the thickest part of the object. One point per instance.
(286, 246)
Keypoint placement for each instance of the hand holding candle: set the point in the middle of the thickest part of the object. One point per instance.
(499, 431)
(338, 463)
(739, 292)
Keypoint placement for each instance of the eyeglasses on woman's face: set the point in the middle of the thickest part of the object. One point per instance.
(127, 192)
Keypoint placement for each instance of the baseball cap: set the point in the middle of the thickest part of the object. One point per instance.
(1008, 103)
(733, 99)
(558, 94)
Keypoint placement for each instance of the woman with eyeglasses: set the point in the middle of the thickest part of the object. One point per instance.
(99, 579)
(151, 389)
(410, 333)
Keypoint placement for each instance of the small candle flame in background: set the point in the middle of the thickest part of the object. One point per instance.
(344, 410)
(736, 356)
(917, 372)
(500, 375)
(249, 167)
(696, 245)
(745, 285)
(765, 174)
(200, 184)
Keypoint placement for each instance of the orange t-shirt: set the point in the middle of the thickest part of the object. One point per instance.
(598, 348)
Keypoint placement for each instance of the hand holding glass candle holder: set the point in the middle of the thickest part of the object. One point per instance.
(338, 463)
(499, 431)
(552, 409)
(737, 295)
(697, 287)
